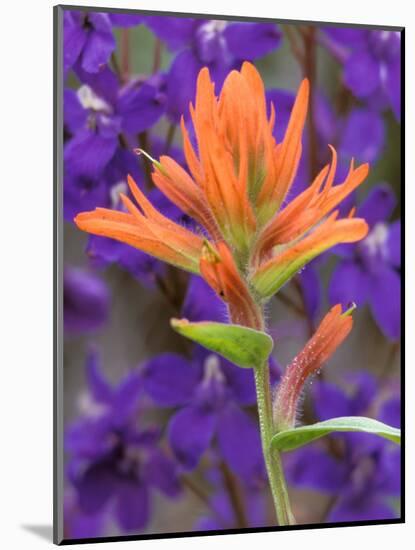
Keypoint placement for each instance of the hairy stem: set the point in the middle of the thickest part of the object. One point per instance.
(273, 464)
(272, 458)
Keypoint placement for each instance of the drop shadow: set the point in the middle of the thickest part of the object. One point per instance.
(44, 532)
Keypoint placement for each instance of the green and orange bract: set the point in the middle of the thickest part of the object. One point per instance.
(248, 244)
(332, 331)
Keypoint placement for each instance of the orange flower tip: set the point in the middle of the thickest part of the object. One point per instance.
(304, 88)
(351, 307)
(131, 181)
(80, 220)
(365, 168)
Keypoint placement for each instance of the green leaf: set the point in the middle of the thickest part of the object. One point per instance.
(243, 346)
(289, 440)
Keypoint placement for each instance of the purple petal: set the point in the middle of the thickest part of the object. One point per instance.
(349, 283)
(393, 86)
(363, 135)
(176, 32)
(330, 401)
(385, 301)
(170, 379)
(378, 205)
(86, 301)
(283, 101)
(160, 472)
(81, 193)
(390, 412)
(126, 396)
(240, 444)
(325, 118)
(87, 439)
(181, 84)
(312, 468)
(190, 432)
(393, 244)
(362, 73)
(249, 41)
(140, 106)
(74, 38)
(240, 382)
(88, 153)
(363, 391)
(98, 386)
(95, 488)
(349, 37)
(100, 43)
(78, 525)
(104, 83)
(133, 506)
(388, 471)
(209, 44)
(75, 115)
(201, 302)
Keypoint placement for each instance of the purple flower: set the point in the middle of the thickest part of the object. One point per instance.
(112, 460)
(201, 303)
(78, 525)
(209, 393)
(86, 301)
(369, 270)
(219, 45)
(135, 107)
(371, 64)
(99, 123)
(361, 471)
(88, 39)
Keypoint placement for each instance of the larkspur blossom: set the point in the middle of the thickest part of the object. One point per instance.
(369, 271)
(112, 460)
(208, 393)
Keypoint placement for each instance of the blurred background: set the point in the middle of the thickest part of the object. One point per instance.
(143, 453)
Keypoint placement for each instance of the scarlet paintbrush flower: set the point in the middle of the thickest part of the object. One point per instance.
(238, 179)
(331, 332)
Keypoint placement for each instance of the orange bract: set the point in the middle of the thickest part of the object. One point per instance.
(146, 229)
(332, 331)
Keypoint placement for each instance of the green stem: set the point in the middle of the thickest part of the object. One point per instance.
(272, 457)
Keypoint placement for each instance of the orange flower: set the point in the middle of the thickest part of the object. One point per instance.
(238, 179)
(332, 331)
(146, 229)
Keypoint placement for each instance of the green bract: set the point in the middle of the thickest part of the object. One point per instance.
(243, 346)
(289, 440)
